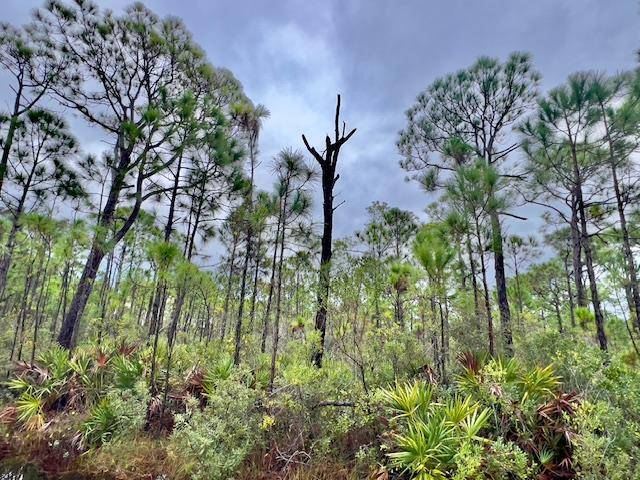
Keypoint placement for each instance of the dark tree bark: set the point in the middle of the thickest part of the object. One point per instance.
(632, 276)
(101, 245)
(485, 287)
(581, 296)
(267, 311)
(501, 283)
(227, 298)
(572, 314)
(276, 322)
(474, 281)
(585, 242)
(254, 292)
(243, 290)
(328, 162)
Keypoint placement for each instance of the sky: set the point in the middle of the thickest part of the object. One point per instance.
(294, 56)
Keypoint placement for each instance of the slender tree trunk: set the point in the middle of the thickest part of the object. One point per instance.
(556, 304)
(28, 281)
(7, 258)
(518, 291)
(501, 283)
(267, 312)
(243, 288)
(586, 246)
(581, 296)
(485, 285)
(104, 296)
(434, 338)
(254, 292)
(8, 140)
(398, 308)
(227, 298)
(171, 336)
(632, 276)
(40, 305)
(28, 307)
(572, 314)
(474, 282)
(276, 322)
(444, 335)
(5, 262)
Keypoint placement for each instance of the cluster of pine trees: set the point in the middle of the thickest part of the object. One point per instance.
(95, 243)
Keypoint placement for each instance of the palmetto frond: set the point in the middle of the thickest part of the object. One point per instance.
(410, 399)
(537, 383)
(427, 449)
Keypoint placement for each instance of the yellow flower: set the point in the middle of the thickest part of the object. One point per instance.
(267, 422)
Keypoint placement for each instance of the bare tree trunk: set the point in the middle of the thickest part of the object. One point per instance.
(328, 162)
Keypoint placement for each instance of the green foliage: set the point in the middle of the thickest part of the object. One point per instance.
(101, 425)
(410, 399)
(606, 443)
(213, 443)
(432, 433)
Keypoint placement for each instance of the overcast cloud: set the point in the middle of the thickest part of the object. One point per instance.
(294, 56)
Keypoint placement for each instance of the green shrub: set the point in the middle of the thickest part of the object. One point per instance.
(213, 442)
(606, 444)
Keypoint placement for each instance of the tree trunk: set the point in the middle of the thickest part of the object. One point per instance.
(556, 304)
(8, 140)
(80, 298)
(5, 263)
(324, 280)
(243, 288)
(474, 282)
(581, 296)
(572, 314)
(518, 290)
(632, 276)
(485, 285)
(328, 162)
(66, 337)
(254, 292)
(276, 322)
(501, 283)
(586, 246)
(171, 336)
(227, 298)
(267, 312)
